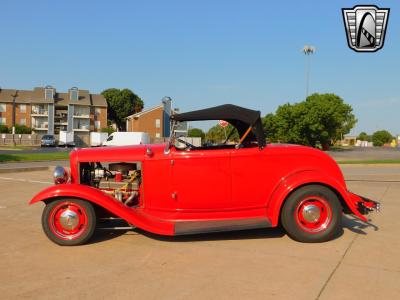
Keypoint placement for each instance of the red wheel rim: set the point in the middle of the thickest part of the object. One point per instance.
(313, 214)
(68, 220)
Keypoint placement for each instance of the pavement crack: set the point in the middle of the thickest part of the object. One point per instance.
(336, 267)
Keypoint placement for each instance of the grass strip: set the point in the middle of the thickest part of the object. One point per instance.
(33, 156)
(369, 162)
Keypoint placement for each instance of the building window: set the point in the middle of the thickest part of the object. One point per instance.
(97, 111)
(2, 121)
(22, 108)
(3, 107)
(158, 123)
(81, 124)
(22, 121)
(40, 123)
(97, 124)
(158, 135)
(74, 94)
(49, 93)
(81, 111)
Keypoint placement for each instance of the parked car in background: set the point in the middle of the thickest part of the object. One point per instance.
(48, 140)
(127, 138)
(66, 139)
(180, 188)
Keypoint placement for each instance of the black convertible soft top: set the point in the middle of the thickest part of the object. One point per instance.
(241, 118)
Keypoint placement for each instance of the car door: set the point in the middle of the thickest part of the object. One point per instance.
(157, 180)
(201, 179)
(249, 177)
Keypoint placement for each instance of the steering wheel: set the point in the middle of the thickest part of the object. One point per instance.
(188, 145)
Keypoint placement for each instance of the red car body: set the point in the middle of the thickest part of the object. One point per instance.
(182, 188)
(185, 191)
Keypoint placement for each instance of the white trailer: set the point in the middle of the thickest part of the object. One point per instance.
(66, 139)
(127, 138)
(97, 138)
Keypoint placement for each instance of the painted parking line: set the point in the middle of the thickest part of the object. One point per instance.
(26, 180)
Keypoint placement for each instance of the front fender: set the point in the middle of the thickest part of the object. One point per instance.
(300, 178)
(133, 216)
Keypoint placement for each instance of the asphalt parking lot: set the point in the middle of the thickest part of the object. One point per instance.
(258, 264)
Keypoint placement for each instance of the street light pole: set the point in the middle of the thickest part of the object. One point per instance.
(308, 50)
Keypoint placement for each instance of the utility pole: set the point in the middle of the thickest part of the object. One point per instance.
(308, 50)
(13, 116)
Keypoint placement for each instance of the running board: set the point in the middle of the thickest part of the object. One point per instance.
(193, 227)
(115, 228)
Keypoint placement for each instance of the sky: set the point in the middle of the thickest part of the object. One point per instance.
(202, 53)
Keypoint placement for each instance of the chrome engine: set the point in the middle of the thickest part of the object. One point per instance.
(120, 180)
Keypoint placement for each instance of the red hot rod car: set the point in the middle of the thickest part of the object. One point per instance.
(171, 190)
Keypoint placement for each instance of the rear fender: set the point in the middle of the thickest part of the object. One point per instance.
(290, 183)
(131, 215)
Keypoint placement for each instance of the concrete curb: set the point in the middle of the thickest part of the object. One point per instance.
(23, 169)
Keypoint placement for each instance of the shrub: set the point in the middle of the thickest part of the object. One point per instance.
(3, 129)
(380, 137)
(22, 129)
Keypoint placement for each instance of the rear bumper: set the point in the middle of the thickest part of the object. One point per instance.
(364, 205)
(367, 205)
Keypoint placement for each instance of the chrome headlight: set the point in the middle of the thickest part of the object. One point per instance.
(60, 175)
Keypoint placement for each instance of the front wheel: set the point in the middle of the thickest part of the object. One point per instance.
(312, 214)
(69, 222)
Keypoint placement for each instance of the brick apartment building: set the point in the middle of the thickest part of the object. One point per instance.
(155, 121)
(47, 111)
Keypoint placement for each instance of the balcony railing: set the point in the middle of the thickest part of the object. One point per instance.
(82, 128)
(40, 126)
(38, 111)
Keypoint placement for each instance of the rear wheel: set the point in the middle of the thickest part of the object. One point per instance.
(69, 222)
(312, 214)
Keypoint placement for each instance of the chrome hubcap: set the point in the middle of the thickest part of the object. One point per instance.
(69, 219)
(311, 213)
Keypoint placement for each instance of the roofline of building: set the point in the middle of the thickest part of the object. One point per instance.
(58, 97)
(138, 114)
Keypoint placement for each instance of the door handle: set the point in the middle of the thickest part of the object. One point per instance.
(174, 195)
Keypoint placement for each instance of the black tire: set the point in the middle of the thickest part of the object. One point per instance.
(312, 214)
(61, 229)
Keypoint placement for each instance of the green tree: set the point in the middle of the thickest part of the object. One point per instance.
(322, 118)
(121, 104)
(270, 129)
(217, 133)
(381, 137)
(109, 130)
(363, 136)
(196, 132)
